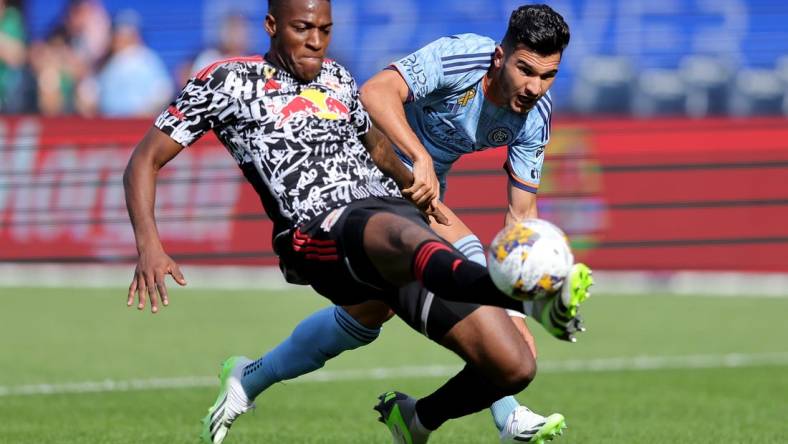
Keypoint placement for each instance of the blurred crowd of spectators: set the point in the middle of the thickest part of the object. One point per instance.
(89, 63)
(93, 64)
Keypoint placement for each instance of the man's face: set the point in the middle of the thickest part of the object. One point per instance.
(300, 33)
(523, 76)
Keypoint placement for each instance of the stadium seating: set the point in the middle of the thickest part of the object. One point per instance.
(659, 92)
(604, 85)
(708, 81)
(757, 92)
(782, 73)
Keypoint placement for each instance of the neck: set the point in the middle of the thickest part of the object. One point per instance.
(280, 63)
(275, 58)
(491, 90)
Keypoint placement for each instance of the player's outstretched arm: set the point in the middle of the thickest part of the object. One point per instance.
(379, 147)
(383, 96)
(522, 205)
(139, 183)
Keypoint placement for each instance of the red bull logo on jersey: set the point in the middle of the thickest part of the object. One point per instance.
(312, 102)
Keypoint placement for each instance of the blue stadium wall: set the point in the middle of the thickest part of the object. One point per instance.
(369, 34)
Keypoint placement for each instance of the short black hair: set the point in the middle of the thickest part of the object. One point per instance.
(275, 5)
(539, 28)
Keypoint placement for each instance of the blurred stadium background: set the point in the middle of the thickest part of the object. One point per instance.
(668, 167)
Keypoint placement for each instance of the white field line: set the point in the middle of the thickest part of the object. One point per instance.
(687, 362)
(734, 284)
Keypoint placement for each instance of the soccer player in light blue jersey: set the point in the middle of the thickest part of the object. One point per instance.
(456, 95)
(466, 93)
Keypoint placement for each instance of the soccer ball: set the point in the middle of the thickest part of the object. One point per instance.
(529, 259)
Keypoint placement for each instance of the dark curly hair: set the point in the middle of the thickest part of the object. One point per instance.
(539, 28)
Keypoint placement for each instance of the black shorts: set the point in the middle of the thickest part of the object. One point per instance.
(327, 253)
(426, 313)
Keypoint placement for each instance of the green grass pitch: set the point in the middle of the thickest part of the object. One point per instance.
(59, 336)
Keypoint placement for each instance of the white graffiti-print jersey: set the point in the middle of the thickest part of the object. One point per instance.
(297, 143)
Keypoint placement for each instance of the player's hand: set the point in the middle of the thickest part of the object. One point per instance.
(425, 188)
(149, 282)
(433, 211)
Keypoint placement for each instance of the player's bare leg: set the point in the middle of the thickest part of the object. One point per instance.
(371, 314)
(500, 361)
(512, 419)
(488, 342)
(454, 233)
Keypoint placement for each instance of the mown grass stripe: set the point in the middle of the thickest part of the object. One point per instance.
(638, 363)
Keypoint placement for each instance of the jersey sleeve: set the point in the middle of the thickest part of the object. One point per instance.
(525, 156)
(449, 64)
(358, 114)
(203, 104)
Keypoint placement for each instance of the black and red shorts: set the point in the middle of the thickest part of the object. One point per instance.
(327, 253)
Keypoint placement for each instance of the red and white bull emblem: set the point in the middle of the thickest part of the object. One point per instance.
(312, 102)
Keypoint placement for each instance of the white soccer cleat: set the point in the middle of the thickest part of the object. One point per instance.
(231, 403)
(523, 425)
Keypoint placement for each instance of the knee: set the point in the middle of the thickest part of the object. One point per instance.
(513, 368)
(516, 366)
(515, 377)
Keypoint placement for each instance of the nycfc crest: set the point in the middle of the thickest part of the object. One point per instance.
(499, 136)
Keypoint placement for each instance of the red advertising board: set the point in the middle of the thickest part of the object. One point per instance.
(632, 194)
(61, 196)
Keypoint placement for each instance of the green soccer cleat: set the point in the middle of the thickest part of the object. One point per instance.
(231, 403)
(558, 313)
(577, 287)
(523, 425)
(397, 411)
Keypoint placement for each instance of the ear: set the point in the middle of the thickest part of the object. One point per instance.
(270, 25)
(498, 56)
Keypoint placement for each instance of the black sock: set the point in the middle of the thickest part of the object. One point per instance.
(451, 276)
(467, 392)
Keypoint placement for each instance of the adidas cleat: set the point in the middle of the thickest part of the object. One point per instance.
(523, 425)
(230, 404)
(579, 283)
(397, 411)
(558, 313)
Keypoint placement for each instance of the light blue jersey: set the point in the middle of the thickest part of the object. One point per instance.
(447, 110)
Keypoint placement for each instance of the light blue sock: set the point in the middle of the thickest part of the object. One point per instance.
(501, 409)
(314, 341)
(473, 249)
